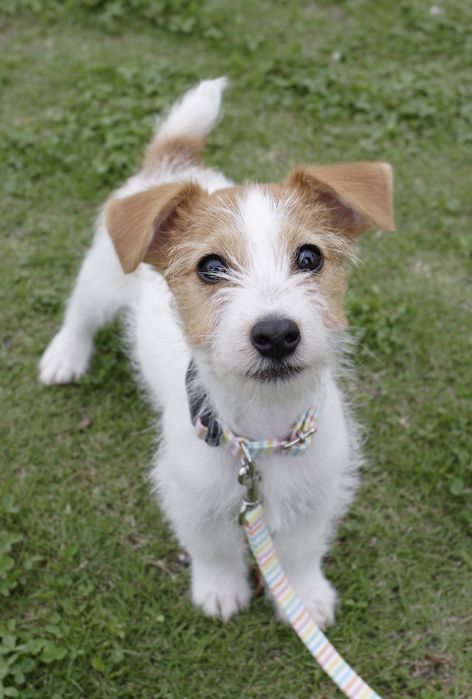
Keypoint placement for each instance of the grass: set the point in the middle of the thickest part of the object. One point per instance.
(94, 597)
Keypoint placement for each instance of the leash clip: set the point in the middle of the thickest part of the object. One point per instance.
(249, 477)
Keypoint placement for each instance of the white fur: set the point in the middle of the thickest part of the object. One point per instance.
(197, 485)
(196, 113)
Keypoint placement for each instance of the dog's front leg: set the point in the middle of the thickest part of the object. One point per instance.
(300, 549)
(199, 493)
(219, 567)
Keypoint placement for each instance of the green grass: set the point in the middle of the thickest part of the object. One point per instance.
(93, 599)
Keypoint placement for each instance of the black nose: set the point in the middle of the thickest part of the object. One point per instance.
(275, 337)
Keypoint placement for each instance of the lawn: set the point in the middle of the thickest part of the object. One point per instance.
(93, 592)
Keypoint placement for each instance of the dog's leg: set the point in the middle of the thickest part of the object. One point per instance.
(218, 555)
(219, 571)
(101, 290)
(300, 551)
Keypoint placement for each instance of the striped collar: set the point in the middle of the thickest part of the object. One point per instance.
(214, 433)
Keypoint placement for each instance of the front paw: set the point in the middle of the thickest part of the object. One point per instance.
(220, 595)
(318, 596)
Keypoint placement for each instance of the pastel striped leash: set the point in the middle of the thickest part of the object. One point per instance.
(298, 615)
(263, 549)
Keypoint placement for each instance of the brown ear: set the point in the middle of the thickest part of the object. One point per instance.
(137, 224)
(359, 195)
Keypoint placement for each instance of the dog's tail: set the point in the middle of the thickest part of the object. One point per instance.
(182, 134)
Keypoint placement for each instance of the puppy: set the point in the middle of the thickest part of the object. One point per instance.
(244, 285)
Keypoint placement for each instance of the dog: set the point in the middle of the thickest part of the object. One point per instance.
(234, 303)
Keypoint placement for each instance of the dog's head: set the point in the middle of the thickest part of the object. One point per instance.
(257, 272)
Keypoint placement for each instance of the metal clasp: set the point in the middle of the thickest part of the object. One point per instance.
(300, 438)
(249, 477)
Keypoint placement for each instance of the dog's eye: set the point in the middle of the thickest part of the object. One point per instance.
(211, 268)
(309, 258)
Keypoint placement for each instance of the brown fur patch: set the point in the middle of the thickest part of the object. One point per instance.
(183, 150)
(134, 222)
(172, 227)
(359, 195)
(209, 228)
(335, 200)
(310, 223)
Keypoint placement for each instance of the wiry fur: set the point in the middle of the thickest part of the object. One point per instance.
(173, 315)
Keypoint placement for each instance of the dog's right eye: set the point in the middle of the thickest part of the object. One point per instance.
(309, 259)
(211, 269)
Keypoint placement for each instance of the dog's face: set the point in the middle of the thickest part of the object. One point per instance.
(257, 272)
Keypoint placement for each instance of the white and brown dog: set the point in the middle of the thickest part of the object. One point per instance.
(245, 284)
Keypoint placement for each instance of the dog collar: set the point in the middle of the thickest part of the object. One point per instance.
(214, 433)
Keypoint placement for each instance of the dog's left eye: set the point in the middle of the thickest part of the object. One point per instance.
(309, 258)
(211, 268)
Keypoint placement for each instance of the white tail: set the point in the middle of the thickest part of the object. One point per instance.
(181, 135)
(195, 114)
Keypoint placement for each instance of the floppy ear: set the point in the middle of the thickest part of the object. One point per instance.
(138, 224)
(359, 195)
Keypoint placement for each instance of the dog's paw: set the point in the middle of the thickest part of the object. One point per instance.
(318, 596)
(220, 596)
(66, 358)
